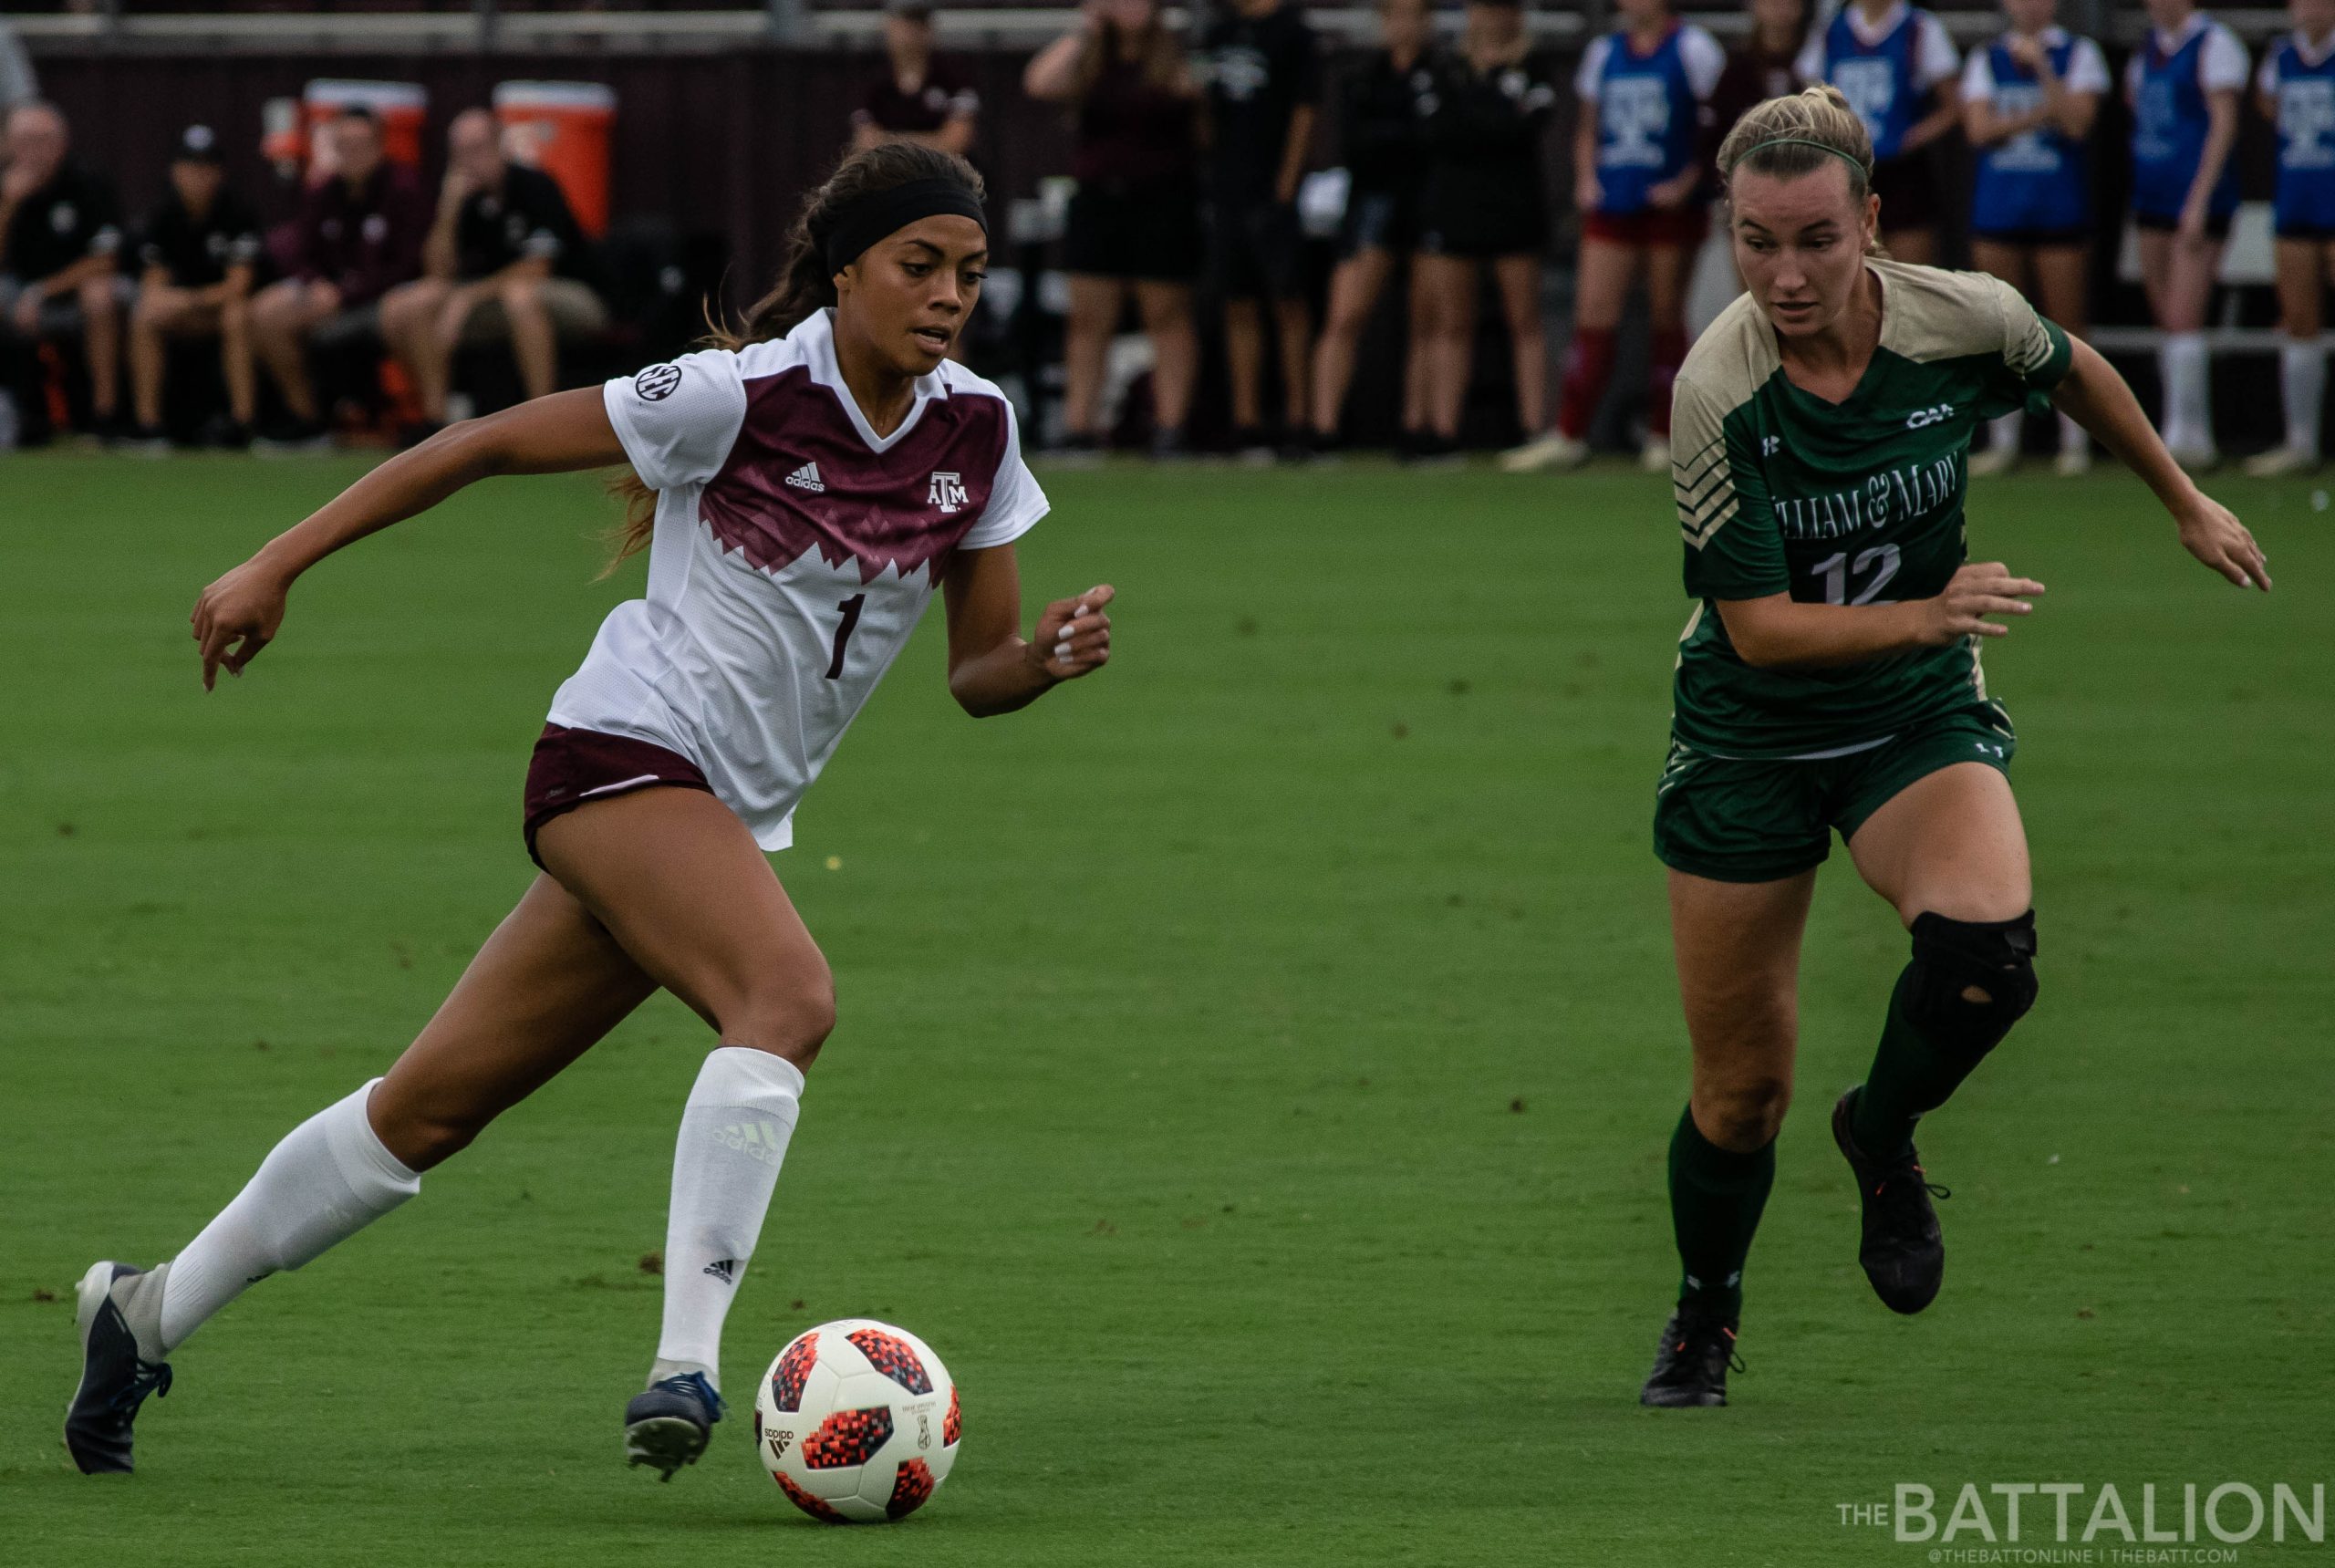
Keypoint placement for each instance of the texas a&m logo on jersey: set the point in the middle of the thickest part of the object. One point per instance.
(947, 491)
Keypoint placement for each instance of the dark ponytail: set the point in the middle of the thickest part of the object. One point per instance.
(806, 285)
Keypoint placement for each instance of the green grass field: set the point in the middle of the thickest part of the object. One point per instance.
(1255, 1064)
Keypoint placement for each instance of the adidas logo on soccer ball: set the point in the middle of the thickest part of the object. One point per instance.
(807, 478)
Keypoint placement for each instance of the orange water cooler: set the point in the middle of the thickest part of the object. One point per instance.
(400, 107)
(562, 128)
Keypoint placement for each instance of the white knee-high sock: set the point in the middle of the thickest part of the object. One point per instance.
(329, 1178)
(2007, 428)
(2188, 390)
(2302, 376)
(2073, 437)
(735, 1130)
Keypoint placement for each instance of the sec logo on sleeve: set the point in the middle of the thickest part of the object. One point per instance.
(657, 382)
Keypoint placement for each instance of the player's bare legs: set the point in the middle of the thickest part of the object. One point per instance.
(1668, 269)
(2178, 274)
(1949, 853)
(1086, 345)
(1355, 288)
(682, 887)
(547, 984)
(1518, 279)
(2063, 287)
(1442, 310)
(1737, 950)
(408, 314)
(1167, 312)
(2302, 271)
(1601, 280)
(283, 314)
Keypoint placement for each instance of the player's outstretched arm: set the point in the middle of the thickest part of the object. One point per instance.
(2095, 396)
(239, 615)
(1776, 632)
(991, 669)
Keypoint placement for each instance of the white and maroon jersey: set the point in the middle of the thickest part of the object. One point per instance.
(794, 551)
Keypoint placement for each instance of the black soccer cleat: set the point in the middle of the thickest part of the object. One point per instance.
(114, 1380)
(1903, 1253)
(1691, 1364)
(668, 1424)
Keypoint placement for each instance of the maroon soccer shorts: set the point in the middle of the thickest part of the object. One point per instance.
(571, 767)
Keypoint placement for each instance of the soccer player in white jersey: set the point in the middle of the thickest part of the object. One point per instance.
(802, 490)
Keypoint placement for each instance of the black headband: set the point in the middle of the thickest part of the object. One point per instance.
(880, 213)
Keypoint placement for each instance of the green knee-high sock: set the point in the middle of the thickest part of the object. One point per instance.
(1715, 1196)
(1910, 1074)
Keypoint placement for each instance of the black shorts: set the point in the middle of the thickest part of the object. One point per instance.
(1907, 187)
(572, 767)
(1379, 221)
(1254, 250)
(1512, 225)
(2216, 227)
(1147, 232)
(2040, 239)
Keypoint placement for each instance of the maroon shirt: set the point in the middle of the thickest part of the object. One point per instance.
(364, 242)
(943, 96)
(1131, 132)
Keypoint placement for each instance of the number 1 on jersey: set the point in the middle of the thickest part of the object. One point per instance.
(850, 609)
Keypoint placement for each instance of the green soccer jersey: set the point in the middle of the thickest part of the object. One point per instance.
(1857, 503)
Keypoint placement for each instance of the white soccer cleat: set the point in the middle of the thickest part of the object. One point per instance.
(2280, 462)
(1654, 455)
(1554, 450)
(1994, 461)
(2073, 463)
(2196, 458)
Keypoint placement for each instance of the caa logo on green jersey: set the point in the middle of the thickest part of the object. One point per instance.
(1929, 416)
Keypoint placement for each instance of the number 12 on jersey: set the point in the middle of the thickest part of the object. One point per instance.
(851, 609)
(1837, 568)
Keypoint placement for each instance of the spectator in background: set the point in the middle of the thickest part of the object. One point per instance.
(1382, 127)
(504, 262)
(1765, 64)
(1263, 72)
(2183, 82)
(1485, 200)
(60, 233)
(1133, 224)
(1638, 175)
(196, 251)
(2028, 100)
(917, 99)
(2298, 93)
(1896, 67)
(359, 234)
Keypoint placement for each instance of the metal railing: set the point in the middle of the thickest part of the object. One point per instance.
(487, 25)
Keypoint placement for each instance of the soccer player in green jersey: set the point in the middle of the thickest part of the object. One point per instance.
(1829, 681)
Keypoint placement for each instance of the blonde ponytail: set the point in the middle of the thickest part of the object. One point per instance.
(1788, 137)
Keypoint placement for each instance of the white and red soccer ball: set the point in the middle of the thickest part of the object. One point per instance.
(857, 1421)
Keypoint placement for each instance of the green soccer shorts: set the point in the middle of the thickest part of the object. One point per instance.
(1738, 819)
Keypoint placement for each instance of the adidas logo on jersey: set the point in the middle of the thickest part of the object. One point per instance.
(807, 478)
(755, 1140)
(724, 1269)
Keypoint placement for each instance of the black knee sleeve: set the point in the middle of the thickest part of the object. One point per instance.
(1956, 962)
